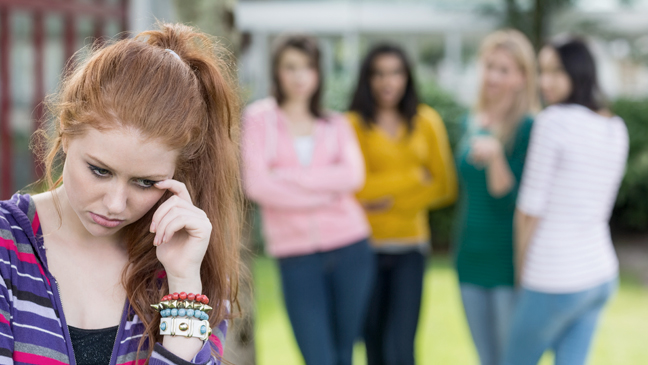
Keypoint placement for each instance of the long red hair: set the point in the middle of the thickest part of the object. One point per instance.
(190, 104)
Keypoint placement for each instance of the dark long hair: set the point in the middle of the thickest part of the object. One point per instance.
(307, 45)
(363, 101)
(578, 62)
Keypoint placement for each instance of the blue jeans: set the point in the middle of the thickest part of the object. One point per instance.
(394, 310)
(563, 322)
(326, 296)
(488, 312)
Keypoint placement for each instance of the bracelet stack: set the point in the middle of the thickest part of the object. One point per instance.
(184, 314)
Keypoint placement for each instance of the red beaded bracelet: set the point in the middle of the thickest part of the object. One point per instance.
(191, 296)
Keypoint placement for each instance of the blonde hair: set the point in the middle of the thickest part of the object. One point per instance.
(526, 101)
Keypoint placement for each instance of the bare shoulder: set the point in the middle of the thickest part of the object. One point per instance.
(46, 207)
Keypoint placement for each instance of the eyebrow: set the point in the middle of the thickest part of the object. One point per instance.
(148, 177)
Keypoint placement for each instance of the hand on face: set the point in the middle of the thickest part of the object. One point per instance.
(182, 233)
(484, 149)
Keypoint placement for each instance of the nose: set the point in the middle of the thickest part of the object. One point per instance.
(115, 199)
(301, 75)
(493, 77)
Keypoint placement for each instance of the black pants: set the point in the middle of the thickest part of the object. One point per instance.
(394, 310)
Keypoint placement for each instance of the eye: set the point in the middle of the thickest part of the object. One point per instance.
(99, 171)
(144, 183)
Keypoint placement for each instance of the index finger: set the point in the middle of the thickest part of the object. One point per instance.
(176, 187)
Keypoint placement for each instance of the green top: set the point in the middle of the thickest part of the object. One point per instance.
(484, 225)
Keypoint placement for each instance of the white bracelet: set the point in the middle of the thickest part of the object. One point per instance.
(185, 326)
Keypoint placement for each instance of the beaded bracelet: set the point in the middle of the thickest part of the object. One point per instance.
(183, 304)
(191, 300)
(184, 314)
(184, 296)
(170, 307)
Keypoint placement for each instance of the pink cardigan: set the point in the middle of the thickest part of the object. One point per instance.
(304, 209)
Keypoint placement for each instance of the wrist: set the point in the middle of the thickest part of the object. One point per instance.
(497, 156)
(189, 284)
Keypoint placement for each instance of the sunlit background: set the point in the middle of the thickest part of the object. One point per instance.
(441, 37)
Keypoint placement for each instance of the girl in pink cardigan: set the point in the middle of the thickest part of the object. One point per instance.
(302, 166)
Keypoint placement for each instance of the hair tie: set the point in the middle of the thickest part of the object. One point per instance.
(173, 53)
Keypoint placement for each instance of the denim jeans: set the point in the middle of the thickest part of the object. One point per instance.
(394, 310)
(326, 296)
(488, 312)
(563, 322)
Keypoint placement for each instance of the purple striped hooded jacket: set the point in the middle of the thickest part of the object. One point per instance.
(32, 326)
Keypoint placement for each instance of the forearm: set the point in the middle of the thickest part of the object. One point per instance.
(285, 195)
(420, 197)
(499, 177)
(328, 179)
(391, 183)
(525, 226)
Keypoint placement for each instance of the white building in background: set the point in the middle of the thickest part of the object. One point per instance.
(346, 30)
(144, 13)
(440, 36)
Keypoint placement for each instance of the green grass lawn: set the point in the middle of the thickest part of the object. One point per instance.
(443, 336)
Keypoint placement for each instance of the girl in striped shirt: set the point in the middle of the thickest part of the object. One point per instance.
(147, 204)
(576, 160)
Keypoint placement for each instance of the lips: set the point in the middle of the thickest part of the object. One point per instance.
(105, 222)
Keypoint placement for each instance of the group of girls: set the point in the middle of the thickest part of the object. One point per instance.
(344, 201)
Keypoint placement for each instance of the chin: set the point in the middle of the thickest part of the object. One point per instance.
(100, 231)
(389, 103)
(550, 101)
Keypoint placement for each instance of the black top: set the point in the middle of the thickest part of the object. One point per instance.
(93, 347)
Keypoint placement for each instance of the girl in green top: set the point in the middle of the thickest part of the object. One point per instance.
(490, 159)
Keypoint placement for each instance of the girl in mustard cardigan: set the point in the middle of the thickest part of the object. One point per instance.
(409, 170)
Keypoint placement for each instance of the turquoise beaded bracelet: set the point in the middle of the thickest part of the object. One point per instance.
(182, 308)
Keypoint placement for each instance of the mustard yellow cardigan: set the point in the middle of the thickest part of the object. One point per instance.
(394, 168)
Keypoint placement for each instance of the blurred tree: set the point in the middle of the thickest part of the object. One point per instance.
(534, 20)
(212, 17)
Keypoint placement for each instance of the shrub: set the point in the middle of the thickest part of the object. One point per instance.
(631, 208)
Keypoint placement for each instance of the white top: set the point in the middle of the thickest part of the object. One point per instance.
(304, 146)
(575, 163)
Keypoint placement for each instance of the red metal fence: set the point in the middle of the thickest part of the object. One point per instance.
(100, 11)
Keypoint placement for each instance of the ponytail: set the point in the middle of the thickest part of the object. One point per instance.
(173, 84)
